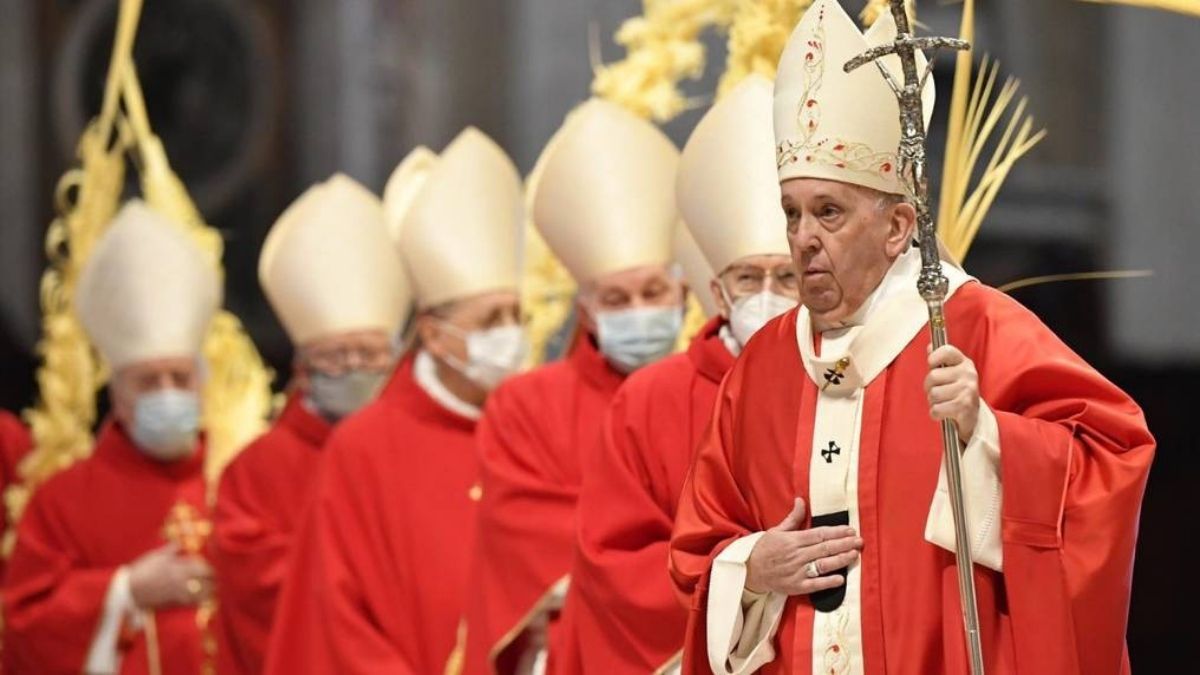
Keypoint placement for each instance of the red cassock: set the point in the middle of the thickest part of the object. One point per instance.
(532, 436)
(378, 573)
(14, 444)
(257, 512)
(622, 612)
(1075, 454)
(80, 526)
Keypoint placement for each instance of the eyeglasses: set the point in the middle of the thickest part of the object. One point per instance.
(340, 360)
(747, 279)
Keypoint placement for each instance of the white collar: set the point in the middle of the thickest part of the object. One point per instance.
(727, 339)
(890, 318)
(425, 374)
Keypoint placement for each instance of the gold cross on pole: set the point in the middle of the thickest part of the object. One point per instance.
(186, 528)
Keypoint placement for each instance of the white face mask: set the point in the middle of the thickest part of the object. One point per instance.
(492, 355)
(632, 338)
(751, 313)
(166, 423)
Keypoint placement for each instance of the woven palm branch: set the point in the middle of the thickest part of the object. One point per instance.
(758, 32)
(975, 117)
(70, 375)
(237, 389)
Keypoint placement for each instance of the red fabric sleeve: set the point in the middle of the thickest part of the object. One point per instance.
(627, 616)
(326, 595)
(1075, 456)
(709, 518)
(249, 555)
(52, 603)
(525, 536)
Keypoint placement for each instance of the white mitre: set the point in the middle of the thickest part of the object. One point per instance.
(328, 265)
(404, 185)
(460, 236)
(696, 270)
(835, 125)
(604, 197)
(147, 291)
(727, 188)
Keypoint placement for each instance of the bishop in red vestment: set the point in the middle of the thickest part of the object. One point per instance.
(623, 614)
(79, 529)
(107, 574)
(341, 315)
(377, 581)
(259, 502)
(814, 533)
(602, 199)
(530, 443)
(622, 609)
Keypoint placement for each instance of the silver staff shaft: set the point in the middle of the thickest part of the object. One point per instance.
(932, 284)
(962, 538)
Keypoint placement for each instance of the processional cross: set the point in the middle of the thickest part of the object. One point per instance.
(932, 283)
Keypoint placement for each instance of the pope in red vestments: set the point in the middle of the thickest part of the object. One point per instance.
(377, 581)
(814, 533)
(622, 610)
(602, 200)
(341, 316)
(107, 574)
(1073, 468)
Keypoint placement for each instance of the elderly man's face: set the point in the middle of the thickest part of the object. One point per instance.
(145, 377)
(843, 239)
(644, 286)
(338, 353)
(485, 311)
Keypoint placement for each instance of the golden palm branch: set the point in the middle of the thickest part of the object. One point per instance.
(237, 390)
(86, 199)
(975, 116)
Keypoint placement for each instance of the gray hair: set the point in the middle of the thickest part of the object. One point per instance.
(888, 199)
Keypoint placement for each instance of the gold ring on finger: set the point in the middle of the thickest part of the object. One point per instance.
(194, 587)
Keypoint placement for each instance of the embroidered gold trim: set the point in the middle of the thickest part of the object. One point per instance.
(538, 607)
(828, 151)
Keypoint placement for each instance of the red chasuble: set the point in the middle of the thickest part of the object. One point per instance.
(533, 434)
(257, 512)
(1075, 454)
(14, 444)
(622, 611)
(79, 527)
(378, 573)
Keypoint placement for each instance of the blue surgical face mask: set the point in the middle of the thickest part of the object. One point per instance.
(632, 338)
(166, 423)
(337, 396)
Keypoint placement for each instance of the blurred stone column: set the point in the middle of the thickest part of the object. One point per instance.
(376, 77)
(20, 259)
(1153, 96)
